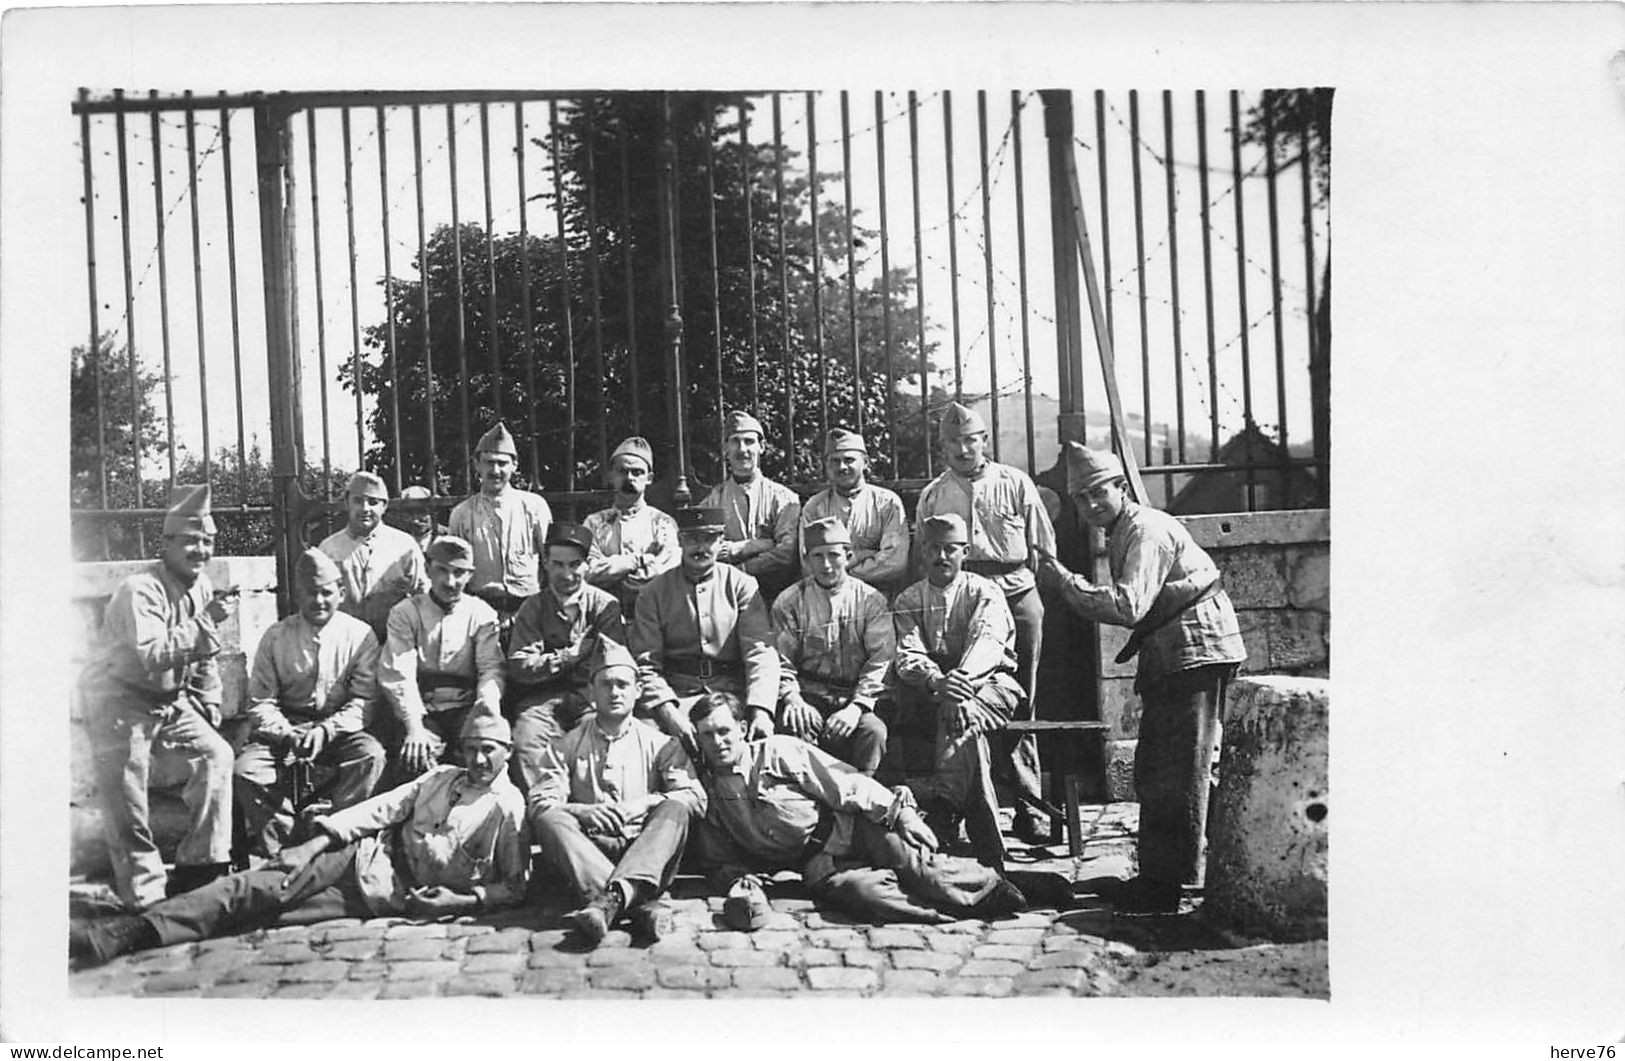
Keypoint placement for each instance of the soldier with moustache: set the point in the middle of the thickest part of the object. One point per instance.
(760, 516)
(506, 526)
(633, 540)
(874, 515)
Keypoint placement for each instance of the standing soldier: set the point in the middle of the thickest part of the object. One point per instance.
(153, 691)
(311, 696)
(417, 518)
(835, 641)
(702, 627)
(1166, 588)
(506, 526)
(555, 635)
(956, 664)
(873, 514)
(381, 566)
(1008, 527)
(760, 515)
(634, 540)
(441, 662)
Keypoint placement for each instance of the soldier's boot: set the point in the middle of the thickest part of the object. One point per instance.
(100, 940)
(594, 920)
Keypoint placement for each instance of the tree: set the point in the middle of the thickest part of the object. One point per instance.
(105, 403)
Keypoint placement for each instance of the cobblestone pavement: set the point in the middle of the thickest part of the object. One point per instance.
(1085, 950)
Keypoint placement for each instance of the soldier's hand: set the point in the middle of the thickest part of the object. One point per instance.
(293, 860)
(221, 606)
(674, 723)
(759, 725)
(800, 718)
(604, 819)
(957, 686)
(210, 713)
(420, 749)
(840, 725)
(312, 742)
(913, 829)
(438, 901)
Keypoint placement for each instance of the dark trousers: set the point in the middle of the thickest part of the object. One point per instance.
(446, 725)
(344, 774)
(1015, 758)
(863, 748)
(539, 719)
(1173, 764)
(586, 864)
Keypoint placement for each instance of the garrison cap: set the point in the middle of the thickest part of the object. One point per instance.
(840, 439)
(416, 493)
(959, 420)
(497, 440)
(611, 653)
(189, 510)
(452, 551)
(570, 534)
(636, 446)
(946, 528)
(366, 484)
(314, 568)
(827, 531)
(701, 519)
(482, 725)
(740, 423)
(1086, 468)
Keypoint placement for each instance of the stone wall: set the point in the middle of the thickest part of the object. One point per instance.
(93, 587)
(1277, 571)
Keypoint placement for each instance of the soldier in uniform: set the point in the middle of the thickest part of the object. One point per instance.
(700, 627)
(1166, 588)
(441, 662)
(611, 807)
(760, 516)
(555, 635)
(956, 666)
(506, 526)
(311, 694)
(153, 694)
(634, 540)
(1008, 527)
(381, 565)
(873, 514)
(835, 641)
(417, 518)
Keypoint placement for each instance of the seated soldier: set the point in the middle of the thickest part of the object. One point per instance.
(612, 805)
(835, 640)
(634, 540)
(779, 803)
(311, 696)
(956, 663)
(441, 661)
(555, 634)
(873, 514)
(446, 843)
(703, 627)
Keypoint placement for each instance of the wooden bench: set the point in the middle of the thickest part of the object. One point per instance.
(1068, 784)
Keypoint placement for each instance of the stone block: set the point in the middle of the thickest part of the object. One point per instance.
(457, 930)
(552, 981)
(1002, 952)
(411, 930)
(614, 956)
(551, 958)
(409, 989)
(411, 950)
(1267, 856)
(352, 950)
(1065, 979)
(355, 990)
(487, 985)
(422, 970)
(241, 989)
(951, 944)
(1120, 708)
(1231, 530)
(1017, 937)
(774, 979)
(301, 990)
(183, 982)
(663, 954)
(892, 936)
(252, 974)
(1255, 640)
(810, 957)
(912, 982)
(769, 939)
(722, 940)
(508, 941)
(1254, 577)
(493, 963)
(693, 977)
(622, 978)
(1297, 640)
(992, 967)
(318, 972)
(841, 938)
(1120, 770)
(737, 958)
(365, 930)
(863, 958)
(1071, 958)
(842, 978)
(1309, 578)
(1112, 640)
(982, 986)
(937, 961)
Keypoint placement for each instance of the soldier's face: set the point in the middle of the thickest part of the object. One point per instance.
(744, 452)
(447, 582)
(967, 453)
(186, 553)
(318, 603)
(496, 470)
(828, 563)
(366, 512)
(1101, 504)
(846, 469)
(720, 737)
(943, 561)
(566, 569)
(629, 477)
(614, 693)
(700, 549)
(484, 760)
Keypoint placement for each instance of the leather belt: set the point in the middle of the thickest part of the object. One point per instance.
(427, 682)
(821, 833)
(987, 568)
(151, 697)
(704, 666)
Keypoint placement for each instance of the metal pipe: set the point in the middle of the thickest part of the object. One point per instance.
(129, 317)
(1139, 271)
(953, 241)
(600, 398)
(746, 157)
(784, 292)
(529, 351)
(389, 300)
(818, 269)
(851, 264)
(1021, 278)
(1173, 265)
(493, 339)
(163, 290)
(711, 245)
(93, 352)
(987, 257)
(321, 314)
(236, 330)
(1275, 292)
(885, 285)
(433, 468)
(565, 287)
(627, 283)
(1207, 275)
(462, 315)
(292, 101)
(1241, 280)
(1105, 213)
(919, 280)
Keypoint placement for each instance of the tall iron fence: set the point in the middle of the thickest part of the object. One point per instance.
(311, 283)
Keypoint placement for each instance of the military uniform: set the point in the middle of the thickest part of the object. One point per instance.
(875, 517)
(638, 531)
(507, 533)
(760, 509)
(379, 570)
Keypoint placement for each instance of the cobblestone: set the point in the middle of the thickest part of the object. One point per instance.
(861, 958)
(842, 979)
(722, 940)
(614, 956)
(986, 986)
(414, 950)
(489, 986)
(301, 990)
(958, 943)
(913, 981)
(925, 959)
(494, 963)
(319, 972)
(354, 950)
(415, 970)
(552, 981)
(508, 941)
(768, 939)
(891, 937)
(1067, 979)
(410, 989)
(693, 977)
(355, 990)
(1001, 951)
(1017, 937)
(243, 989)
(176, 983)
(756, 958)
(812, 957)
(766, 980)
(989, 967)
(839, 938)
(622, 978)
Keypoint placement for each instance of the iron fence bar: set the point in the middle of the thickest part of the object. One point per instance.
(524, 279)
(784, 291)
(1139, 270)
(818, 268)
(1275, 289)
(1313, 345)
(1059, 128)
(197, 288)
(919, 278)
(666, 196)
(1105, 214)
(565, 286)
(1241, 278)
(1173, 267)
(711, 248)
(851, 263)
(1207, 275)
(355, 297)
(593, 265)
(292, 101)
(321, 314)
(492, 339)
(273, 149)
(885, 284)
(423, 290)
(462, 314)
(746, 159)
(389, 298)
(627, 283)
(987, 257)
(94, 350)
(129, 317)
(159, 513)
(1021, 278)
(953, 241)
(163, 290)
(236, 330)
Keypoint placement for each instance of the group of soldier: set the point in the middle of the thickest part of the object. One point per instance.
(637, 691)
